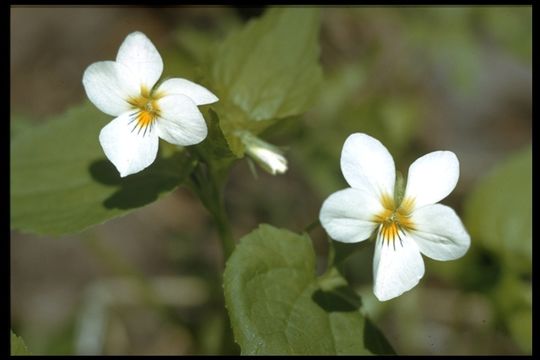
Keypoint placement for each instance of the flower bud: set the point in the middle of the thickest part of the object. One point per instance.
(268, 156)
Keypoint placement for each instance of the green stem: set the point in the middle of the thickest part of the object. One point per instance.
(209, 188)
(224, 229)
(216, 207)
(208, 183)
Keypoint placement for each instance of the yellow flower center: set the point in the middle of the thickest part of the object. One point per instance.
(394, 220)
(146, 110)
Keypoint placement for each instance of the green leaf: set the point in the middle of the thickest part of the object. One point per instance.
(278, 306)
(498, 212)
(269, 66)
(268, 70)
(17, 345)
(62, 183)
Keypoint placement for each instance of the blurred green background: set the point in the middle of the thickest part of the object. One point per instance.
(417, 78)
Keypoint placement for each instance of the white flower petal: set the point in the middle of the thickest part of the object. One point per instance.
(130, 150)
(367, 164)
(141, 56)
(108, 85)
(180, 121)
(347, 215)
(432, 177)
(396, 269)
(439, 233)
(197, 93)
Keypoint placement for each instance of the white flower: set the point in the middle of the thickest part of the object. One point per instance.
(125, 88)
(404, 228)
(268, 156)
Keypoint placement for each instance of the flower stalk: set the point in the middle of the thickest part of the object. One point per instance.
(209, 188)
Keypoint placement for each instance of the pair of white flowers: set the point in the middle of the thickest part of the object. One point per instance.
(126, 88)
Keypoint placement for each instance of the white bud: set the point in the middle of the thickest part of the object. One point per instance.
(268, 156)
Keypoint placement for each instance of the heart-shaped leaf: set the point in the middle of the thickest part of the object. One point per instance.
(267, 70)
(277, 305)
